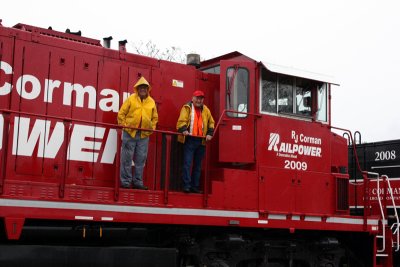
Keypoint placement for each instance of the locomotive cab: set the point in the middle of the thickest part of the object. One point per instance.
(274, 125)
(250, 90)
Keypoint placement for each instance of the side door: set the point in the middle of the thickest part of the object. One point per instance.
(236, 130)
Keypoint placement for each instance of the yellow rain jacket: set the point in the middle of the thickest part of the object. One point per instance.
(183, 123)
(137, 113)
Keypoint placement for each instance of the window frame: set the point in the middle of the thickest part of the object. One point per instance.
(327, 97)
(294, 115)
(237, 115)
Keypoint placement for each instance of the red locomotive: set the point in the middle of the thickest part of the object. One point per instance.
(274, 182)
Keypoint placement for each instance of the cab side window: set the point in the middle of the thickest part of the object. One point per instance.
(269, 92)
(303, 97)
(237, 91)
(285, 94)
(293, 96)
(322, 109)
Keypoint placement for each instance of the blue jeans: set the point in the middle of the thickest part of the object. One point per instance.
(193, 151)
(133, 147)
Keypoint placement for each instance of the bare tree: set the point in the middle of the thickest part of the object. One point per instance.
(150, 49)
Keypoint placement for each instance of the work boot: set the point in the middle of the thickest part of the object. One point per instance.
(140, 187)
(195, 190)
(126, 186)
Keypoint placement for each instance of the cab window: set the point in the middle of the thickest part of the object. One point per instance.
(293, 96)
(269, 92)
(303, 97)
(214, 69)
(322, 110)
(237, 91)
(285, 94)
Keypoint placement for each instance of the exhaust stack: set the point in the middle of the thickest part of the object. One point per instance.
(107, 42)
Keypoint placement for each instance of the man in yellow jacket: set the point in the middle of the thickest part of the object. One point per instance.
(138, 111)
(197, 126)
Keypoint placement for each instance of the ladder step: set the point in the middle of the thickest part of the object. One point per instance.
(382, 255)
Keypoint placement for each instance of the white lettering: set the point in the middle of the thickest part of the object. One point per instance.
(125, 96)
(6, 88)
(313, 151)
(282, 148)
(110, 103)
(301, 150)
(310, 140)
(295, 148)
(1, 131)
(29, 87)
(79, 143)
(295, 165)
(53, 143)
(47, 138)
(289, 148)
(21, 86)
(307, 150)
(396, 191)
(110, 149)
(80, 92)
(49, 86)
(318, 152)
(24, 142)
(273, 141)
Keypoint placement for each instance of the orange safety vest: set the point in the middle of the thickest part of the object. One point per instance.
(196, 122)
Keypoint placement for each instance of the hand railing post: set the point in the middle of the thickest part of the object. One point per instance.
(167, 167)
(6, 127)
(386, 195)
(394, 227)
(67, 124)
(206, 180)
(117, 165)
(366, 198)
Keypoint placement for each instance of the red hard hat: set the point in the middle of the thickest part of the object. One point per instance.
(198, 93)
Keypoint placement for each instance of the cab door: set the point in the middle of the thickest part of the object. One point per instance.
(236, 130)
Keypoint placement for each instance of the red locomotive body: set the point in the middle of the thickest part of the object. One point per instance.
(274, 180)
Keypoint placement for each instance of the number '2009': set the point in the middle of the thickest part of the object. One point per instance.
(385, 155)
(295, 165)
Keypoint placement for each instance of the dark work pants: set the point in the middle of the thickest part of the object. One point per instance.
(193, 151)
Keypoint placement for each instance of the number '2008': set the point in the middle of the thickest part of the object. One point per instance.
(385, 155)
(295, 165)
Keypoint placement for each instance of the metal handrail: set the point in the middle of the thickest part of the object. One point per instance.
(352, 142)
(90, 122)
(395, 226)
(233, 111)
(66, 121)
(381, 209)
(397, 223)
(8, 111)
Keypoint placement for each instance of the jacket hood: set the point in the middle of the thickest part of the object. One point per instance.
(141, 81)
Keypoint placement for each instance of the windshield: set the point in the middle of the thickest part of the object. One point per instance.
(300, 97)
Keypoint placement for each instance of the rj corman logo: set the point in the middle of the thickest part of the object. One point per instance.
(299, 144)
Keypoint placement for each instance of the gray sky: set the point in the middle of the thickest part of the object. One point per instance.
(357, 42)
